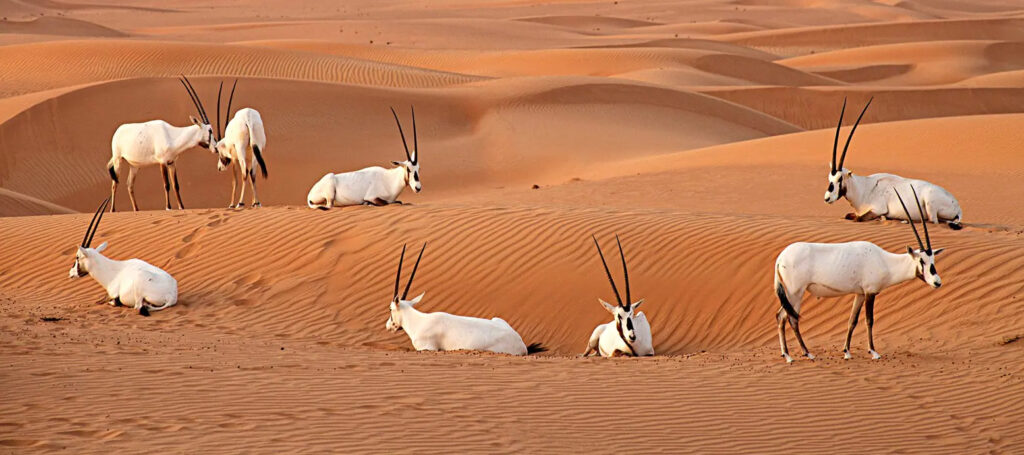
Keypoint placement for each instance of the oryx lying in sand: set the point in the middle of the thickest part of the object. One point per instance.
(873, 196)
(373, 185)
(242, 144)
(133, 282)
(158, 142)
(447, 332)
(860, 268)
(628, 334)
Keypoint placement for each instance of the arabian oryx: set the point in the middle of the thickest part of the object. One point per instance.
(158, 142)
(447, 332)
(133, 282)
(242, 143)
(373, 185)
(873, 196)
(859, 268)
(629, 334)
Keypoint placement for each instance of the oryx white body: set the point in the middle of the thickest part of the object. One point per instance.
(836, 269)
(242, 145)
(872, 196)
(372, 185)
(448, 332)
(132, 282)
(155, 142)
(607, 341)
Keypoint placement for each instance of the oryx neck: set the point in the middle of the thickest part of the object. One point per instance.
(903, 267)
(103, 269)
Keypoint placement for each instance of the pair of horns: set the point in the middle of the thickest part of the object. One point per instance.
(625, 271)
(199, 104)
(398, 277)
(924, 223)
(415, 156)
(94, 225)
(835, 143)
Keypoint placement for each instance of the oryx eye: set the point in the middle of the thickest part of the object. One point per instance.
(933, 269)
(416, 175)
(831, 186)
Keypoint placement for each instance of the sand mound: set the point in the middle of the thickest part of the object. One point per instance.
(59, 26)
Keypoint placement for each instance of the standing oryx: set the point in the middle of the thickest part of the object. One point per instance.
(860, 268)
(872, 196)
(133, 282)
(242, 143)
(158, 142)
(373, 185)
(446, 332)
(629, 334)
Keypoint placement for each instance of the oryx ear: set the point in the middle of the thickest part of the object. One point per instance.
(81, 250)
(397, 163)
(910, 251)
(417, 299)
(936, 252)
(102, 247)
(607, 306)
(637, 304)
(194, 120)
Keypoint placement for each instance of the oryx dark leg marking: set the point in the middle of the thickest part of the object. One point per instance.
(869, 316)
(113, 184)
(177, 188)
(800, 339)
(167, 185)
(144, 309)
(379, 202)
(858, 302)
(132, 170)
(117, 301)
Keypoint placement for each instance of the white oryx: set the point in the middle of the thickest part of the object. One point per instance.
(157, 142)
(242, 143)
(628, 334)
(860, 268)
(373, 185)
(447, 332)
(873, 196)
(133, 282)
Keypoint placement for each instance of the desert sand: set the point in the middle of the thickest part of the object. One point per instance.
(699, 131)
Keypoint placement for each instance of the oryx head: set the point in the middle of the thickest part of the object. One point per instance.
(223, 148)
(209, 138)
(622, 312)
(85, 256)
(400, 305)
(924, 257)
(838, 175)
(412, 160)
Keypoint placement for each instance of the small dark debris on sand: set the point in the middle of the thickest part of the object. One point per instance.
(50, 319)
(1011, 339)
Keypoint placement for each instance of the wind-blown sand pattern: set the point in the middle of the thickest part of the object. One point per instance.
(700, 132)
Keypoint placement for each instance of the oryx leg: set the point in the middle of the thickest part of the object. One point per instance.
(234, 186)
(113, 185)
(781, 318)
(131, 186)
(866, 216)
(252, 182)
(174, 181)
(376, 201)
(242, 173)
(167, 185)
(858, 302)
(869, 315)
(799, 338)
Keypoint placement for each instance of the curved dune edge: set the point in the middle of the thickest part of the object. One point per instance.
(472, 133)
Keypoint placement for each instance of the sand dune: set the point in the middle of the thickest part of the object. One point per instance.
(700, 132)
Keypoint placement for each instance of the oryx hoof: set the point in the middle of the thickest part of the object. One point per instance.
(232, 206)
(810, 356)
(875, 355)
(116, 301)
(241, 205)
(256, 204)
(851, 216)
(144, 310)
(788, 358)
(846, 355)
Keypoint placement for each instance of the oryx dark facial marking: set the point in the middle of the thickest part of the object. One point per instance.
(925, 255)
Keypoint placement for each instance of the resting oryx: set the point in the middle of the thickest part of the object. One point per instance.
(872, 196)
(158, 142)
(373, 185)
(133, 282)
(242, 143)
(860, 268)
(447, 332)
(629, 334)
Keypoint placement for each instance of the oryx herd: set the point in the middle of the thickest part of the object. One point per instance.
(821, 269)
